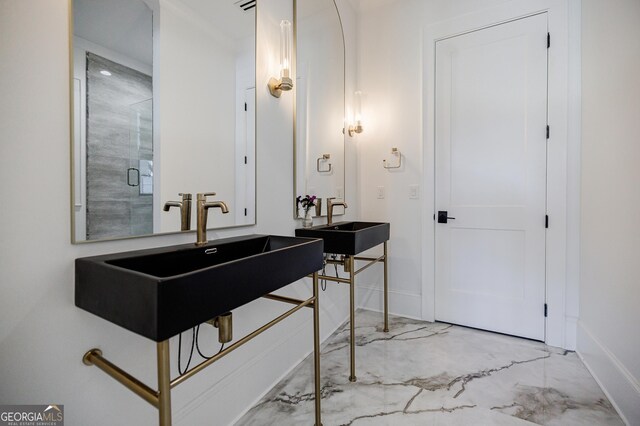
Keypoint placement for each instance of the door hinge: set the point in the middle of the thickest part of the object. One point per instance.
(546, 310)
(548, 40)
(245, 106)
(245, 212)
(548, 131)
(546, 221)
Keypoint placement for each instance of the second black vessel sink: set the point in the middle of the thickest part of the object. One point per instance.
(348, 238)
(158, 293)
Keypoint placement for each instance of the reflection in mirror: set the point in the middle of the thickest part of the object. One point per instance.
(320, 102)
(163, 105)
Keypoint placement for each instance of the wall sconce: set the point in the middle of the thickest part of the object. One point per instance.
(285, 82)
(357, 126)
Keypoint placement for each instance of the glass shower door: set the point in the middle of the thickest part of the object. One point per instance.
(140, 171)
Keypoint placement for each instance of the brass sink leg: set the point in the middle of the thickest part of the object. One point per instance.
(316, 348)
(94, 357)
(164, 383)
(352, 319)
(386, 290)
(161, 399)
(349, 267)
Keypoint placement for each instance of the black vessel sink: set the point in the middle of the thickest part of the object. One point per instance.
(348, 238)
(158, 293)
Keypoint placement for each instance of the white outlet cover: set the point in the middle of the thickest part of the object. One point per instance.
(414, 192)
(380, 192)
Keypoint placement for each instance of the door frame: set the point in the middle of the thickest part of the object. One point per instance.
(559, 329)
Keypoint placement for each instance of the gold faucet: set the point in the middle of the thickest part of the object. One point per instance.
(203, 211)
(330, 206)
(185, 210)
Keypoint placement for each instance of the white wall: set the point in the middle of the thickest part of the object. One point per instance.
(610, 234)
(42, 334)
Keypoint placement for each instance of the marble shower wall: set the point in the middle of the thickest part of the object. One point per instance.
(117, 137)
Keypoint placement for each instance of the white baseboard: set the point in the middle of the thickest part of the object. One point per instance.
(400, 303)
(618, 384)
(570, 332)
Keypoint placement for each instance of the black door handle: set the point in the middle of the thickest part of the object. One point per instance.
(443, 216)
(137, 182)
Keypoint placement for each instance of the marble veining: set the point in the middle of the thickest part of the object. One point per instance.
(424, 373)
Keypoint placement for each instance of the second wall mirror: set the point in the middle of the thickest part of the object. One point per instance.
(319, 140)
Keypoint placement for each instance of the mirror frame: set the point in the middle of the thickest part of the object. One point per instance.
(295, 106)
(72, 150)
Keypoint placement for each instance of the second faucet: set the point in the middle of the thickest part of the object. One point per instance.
(330, 206)
(185, 210)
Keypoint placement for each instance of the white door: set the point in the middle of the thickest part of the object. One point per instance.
(245, 159)
(490, 133)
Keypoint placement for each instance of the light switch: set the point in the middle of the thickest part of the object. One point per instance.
(380, 192)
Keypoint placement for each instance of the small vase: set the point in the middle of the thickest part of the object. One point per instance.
(307, 222)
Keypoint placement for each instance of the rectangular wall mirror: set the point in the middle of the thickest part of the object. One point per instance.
(319, 140)
(163, 103)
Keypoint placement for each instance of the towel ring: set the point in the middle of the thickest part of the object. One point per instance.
(394, 151)
(325, 157)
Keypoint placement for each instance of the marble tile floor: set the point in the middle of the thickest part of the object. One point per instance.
(424, 373)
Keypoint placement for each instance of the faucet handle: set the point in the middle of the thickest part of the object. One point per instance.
(202, 196)
(185, 196)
